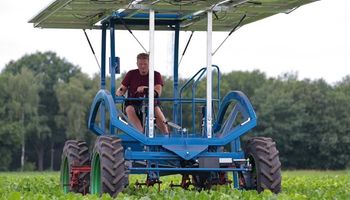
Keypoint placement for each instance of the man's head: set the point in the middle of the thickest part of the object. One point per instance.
(142, 63)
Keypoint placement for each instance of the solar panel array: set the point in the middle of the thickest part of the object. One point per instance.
(190, 14)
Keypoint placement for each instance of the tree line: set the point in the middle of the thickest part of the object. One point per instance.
(45, 100)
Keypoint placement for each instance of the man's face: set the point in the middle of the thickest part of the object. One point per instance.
(142, 65)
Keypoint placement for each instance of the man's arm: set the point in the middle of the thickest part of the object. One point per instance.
(158, 81)
(124, 85)
(121, 90)
(158, 88)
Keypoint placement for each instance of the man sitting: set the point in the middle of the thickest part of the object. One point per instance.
(135, 82)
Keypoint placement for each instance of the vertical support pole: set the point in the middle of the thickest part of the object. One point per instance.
(236, 147)
(209, 74)
(235, 180)
(112, 57)
(218, 84)
(112, 67)
(151, 76)
(176, 73)
(103, 56)
(103, 76)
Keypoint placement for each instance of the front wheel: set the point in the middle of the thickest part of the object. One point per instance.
(266, 166)
(107, 167)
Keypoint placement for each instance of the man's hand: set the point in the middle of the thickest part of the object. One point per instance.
(141, 89)
(158, 89)
(120, 91)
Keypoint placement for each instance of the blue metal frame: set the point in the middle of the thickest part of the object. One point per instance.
(103, 56)
(195, 79)
(176, 72)
(103, 75)
(112, 64)
(112, 56)
(178, 147)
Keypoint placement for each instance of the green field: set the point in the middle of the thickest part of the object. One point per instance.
(295, 185)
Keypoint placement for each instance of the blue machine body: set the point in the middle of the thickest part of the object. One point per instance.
(166, 155)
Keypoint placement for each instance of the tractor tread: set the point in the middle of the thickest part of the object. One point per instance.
(118, 178)
(271, 145)
(265, 158)
(111, 154)
(107, 155)
(118, 164)
(273, 155)
(108, 184)
(106, 144)
(267, 175)
(77, 153)
(262, 149)
(266, 161)
(120, 149)
(276, 183)
(109, 170)
(275, 168)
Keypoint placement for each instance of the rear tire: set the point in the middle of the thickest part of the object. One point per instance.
(266, 166)
(75, 153)
(108, 167)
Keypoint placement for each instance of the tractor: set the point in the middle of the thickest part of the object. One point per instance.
(204, 144)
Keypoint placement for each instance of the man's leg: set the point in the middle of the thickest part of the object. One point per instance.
(130, 112)
(160, 119)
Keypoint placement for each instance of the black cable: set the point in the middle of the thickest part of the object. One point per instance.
(127, 28)
(188, 42)
(216, 16)
(92, 49)
(233, 30)
(239, 23)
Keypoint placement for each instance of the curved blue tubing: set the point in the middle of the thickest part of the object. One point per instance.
(133, 134)
(243, 100)
(105, 97)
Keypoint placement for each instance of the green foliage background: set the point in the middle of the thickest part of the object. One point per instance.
(45, 100)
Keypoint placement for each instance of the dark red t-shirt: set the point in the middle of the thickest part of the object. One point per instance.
(133, 79)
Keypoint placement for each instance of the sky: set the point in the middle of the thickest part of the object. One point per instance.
(313, 41)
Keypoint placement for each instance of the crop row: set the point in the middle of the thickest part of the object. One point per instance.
(295, 185)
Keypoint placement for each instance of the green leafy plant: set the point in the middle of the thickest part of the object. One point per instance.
(295, 185)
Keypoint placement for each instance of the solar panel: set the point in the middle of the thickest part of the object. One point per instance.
(190, 14)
